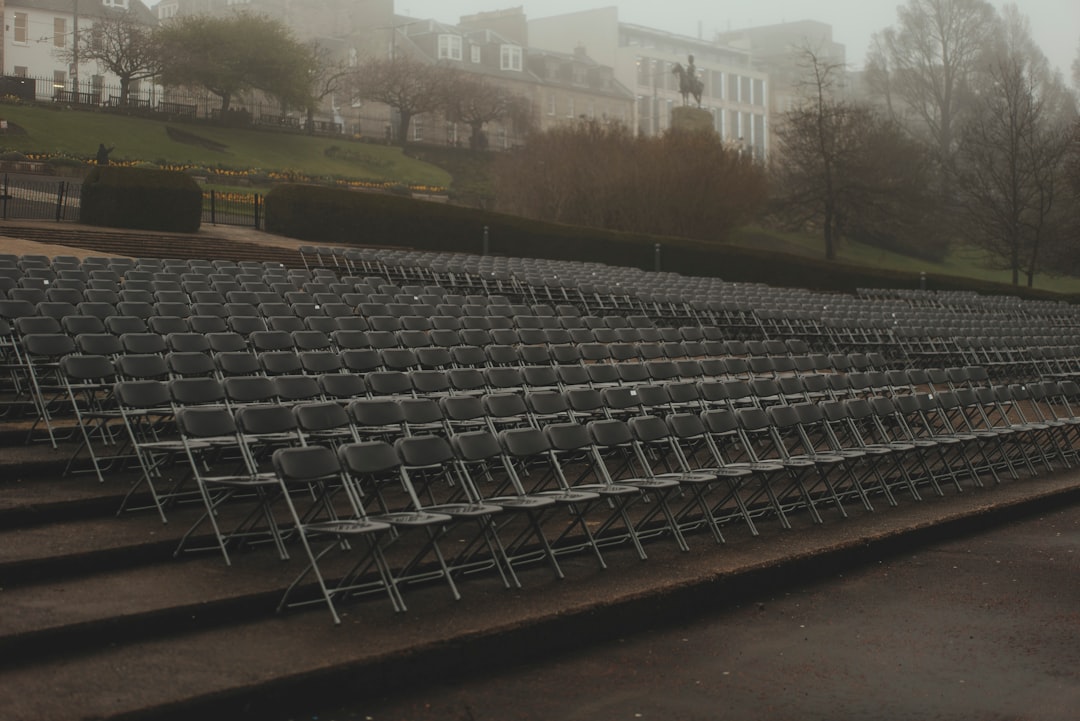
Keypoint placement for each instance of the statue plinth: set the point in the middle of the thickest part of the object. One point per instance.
(687, 119)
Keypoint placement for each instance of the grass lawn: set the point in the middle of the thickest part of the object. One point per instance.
(78, 133)
(55, 130)
(962, 261)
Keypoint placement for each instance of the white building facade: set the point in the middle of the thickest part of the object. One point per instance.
(39, 36)
(735, 90)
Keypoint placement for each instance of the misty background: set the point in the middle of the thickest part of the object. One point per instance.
(1055, 24)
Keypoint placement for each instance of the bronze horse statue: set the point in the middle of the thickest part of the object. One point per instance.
(689, 83)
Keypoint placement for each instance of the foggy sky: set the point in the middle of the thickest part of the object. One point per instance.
(1055, 24)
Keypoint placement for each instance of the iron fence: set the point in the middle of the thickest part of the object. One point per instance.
(53, 199)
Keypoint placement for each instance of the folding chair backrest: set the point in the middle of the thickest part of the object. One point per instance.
(424, 450)
(308, 463)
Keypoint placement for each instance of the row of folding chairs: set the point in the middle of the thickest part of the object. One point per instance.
(803, 456)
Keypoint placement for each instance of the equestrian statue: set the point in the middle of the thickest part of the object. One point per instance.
(689, 83)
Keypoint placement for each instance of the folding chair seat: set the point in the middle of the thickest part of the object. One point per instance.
(893, 430)
(791, 438)
(963, 412)
(953, 448)
(850, 425)
(572, 450)
(88, 380)
(318, 471)
(430, 469)
(481, 456)
(1008, 403)
(212, 440)
(765, 452)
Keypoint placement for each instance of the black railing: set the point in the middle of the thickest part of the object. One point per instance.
(223, 208)
(35, 199)
(38, 199)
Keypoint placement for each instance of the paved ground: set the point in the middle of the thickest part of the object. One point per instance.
(983, 627)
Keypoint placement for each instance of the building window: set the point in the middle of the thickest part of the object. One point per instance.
(569, 107)
(717, 82)
(121, 3)
(20, 71)
(551, 104)
(167, 11)
(580, 77)
(475, 53)
(510, 58)
(97, 38)
(449, 47)
(59, 32)
(418, 129)
(20, 28)
(59, 79)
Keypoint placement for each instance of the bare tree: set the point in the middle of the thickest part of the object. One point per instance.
(477, 102)
(602, 175)
(927, 61)
(409, 86)
(844, 170)
(328, 74)
(1010, 160)
(121, 44)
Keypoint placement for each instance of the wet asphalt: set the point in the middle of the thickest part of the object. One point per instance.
(984, 627)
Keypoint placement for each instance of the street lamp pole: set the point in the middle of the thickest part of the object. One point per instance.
(75, 49)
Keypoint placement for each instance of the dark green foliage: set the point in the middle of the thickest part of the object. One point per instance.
(141, 198)
(344, 217)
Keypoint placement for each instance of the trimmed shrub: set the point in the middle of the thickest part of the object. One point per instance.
(346, 217)
(143, 198)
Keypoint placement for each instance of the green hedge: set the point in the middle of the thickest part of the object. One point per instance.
(343, 217)
(143, 198)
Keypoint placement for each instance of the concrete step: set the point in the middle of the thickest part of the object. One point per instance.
(146, 244)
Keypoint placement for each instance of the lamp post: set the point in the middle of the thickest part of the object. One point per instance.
(75, 49)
